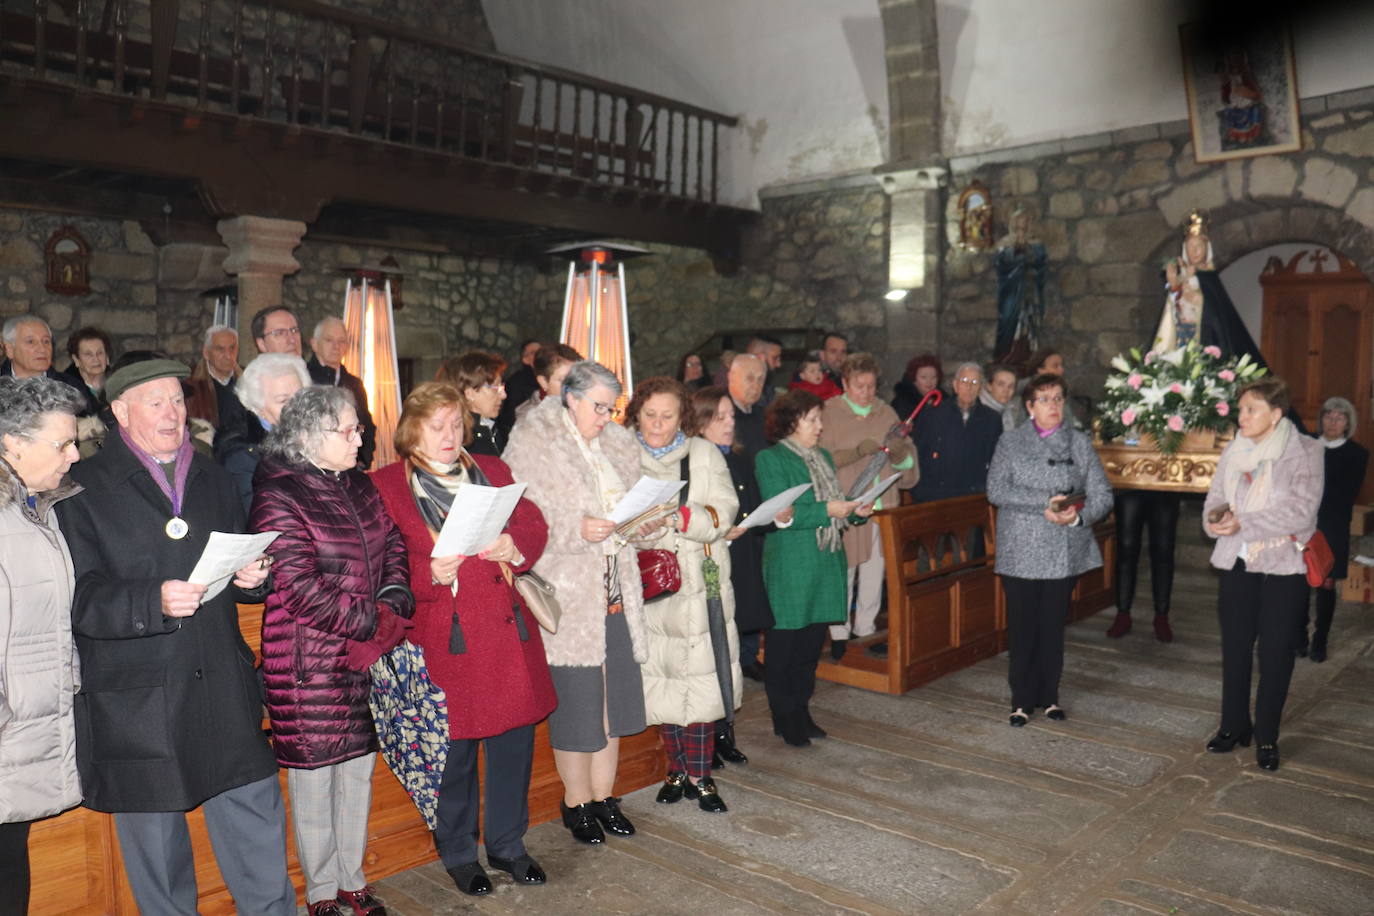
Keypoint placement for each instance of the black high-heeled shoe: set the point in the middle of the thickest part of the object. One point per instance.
(608, 812)
(673, 789)
(725, 747)
(1267, 756)
(1225, 742)
(582, 822)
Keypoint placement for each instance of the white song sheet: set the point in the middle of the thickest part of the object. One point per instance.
(476, 518)
(224, 555)
(643, 496)
(768, 509)
(876, 490)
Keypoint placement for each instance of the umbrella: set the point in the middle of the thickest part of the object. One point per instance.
(880, 458)
(715, 621)
(411, 716)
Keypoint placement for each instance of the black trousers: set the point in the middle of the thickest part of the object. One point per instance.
(1134, 510)
(1254, 606)
(1036, 611)
(790, 676)
(509, 758)
(1325, 600)
(14, 868)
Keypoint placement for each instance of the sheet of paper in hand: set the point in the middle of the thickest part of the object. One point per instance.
(768, 509)
(645, 494)
(224, 555)
(476, 518)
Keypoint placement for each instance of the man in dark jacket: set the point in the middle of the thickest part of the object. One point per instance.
(955, 441)
(746, 377)
(327, 368)
(170, 711)
(28, 352)
(521, 384)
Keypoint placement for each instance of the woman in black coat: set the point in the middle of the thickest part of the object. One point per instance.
(1346, 461)
(715, 418)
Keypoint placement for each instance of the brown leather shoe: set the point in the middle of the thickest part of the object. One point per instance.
(1120, 626)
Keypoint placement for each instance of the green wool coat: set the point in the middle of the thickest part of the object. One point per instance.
(805, 584)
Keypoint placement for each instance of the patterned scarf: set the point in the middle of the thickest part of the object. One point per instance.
(658, 453)
(826, 487)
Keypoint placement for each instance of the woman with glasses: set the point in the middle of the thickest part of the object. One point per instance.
(340, 598)
(1049, 488)
(38, 671)
(477, 376)
(578, 464)
(267, 383)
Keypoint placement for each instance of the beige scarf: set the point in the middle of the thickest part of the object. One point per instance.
(1256, 461)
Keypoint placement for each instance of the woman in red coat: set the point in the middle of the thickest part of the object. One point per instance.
(481, 645)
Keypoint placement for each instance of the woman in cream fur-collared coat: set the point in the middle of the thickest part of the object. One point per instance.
(578, 463)
(689, 666)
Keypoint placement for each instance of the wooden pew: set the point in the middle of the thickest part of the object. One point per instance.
(945, 605)
(75, 856)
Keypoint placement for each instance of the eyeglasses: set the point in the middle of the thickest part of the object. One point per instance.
(349, 432)
(602, 410)
(495, 386)
(1055, 399)
(970, 380)
(283, 332)
(61, 446)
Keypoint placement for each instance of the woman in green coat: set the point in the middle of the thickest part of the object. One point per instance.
(804, 566)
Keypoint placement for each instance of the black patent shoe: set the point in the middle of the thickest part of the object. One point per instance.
(1318, 652)
(522, 868)
(582, 823)
(608, 812)
(471, 879)
(1056, 712)
(726, 749)
(1225, 742)
(1018, 718)
(1267, 756)
(672, 789)
(708, 799)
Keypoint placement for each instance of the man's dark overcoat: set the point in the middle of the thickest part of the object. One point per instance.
(170, 710)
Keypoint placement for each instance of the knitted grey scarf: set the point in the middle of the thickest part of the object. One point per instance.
(826, 487)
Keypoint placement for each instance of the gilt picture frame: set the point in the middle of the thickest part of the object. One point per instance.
(1242, 92)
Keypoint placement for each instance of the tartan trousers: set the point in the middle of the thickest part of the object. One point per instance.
(689, 747)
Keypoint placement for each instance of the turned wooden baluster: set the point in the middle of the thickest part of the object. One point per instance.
(236, 56)
(577, 144)
(293, 104)
(40, 38)
(416, 84)
(700, 134)
(359, 65)
(81, 42)
(684, 151)
(163, 16)
(557, 122)
(390, 90)
(441, 101)
(326, 72)
(715, 158)
(121, 35)
(462, 105)
(668, 153)
(267, 64)
(538, 121)
(203, 57)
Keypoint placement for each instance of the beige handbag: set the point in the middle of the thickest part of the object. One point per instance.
(538, 594)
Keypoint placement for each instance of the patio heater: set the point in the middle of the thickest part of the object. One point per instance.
(371, 350)
(596, 320)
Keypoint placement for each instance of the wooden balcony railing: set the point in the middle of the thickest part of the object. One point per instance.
(310, 67)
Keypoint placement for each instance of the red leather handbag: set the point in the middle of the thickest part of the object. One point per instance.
(660, 573)
(1316, 553)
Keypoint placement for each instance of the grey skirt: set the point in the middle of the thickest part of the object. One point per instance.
(576, 725)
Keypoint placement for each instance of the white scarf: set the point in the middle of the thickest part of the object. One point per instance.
(1255, 460)
(610, 488)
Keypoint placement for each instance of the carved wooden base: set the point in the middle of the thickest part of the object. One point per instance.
(1132, 467)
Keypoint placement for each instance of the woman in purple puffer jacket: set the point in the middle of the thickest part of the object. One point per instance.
(339, 599)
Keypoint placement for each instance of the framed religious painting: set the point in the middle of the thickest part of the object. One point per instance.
(1242, 90)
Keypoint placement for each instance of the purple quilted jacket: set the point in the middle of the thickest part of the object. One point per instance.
(337, 550)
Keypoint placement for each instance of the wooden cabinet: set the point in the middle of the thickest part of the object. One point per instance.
(1318, 334)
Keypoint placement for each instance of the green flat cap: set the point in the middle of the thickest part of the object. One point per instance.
(140, 372)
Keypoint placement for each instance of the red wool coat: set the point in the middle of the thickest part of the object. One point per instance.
(500, 682)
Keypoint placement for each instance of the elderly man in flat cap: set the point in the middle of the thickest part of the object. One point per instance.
(169, 711)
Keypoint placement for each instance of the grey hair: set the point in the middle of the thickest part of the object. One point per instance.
(25, 402)
(264, 367)
(319, 325)
(214, 329)
(959, 369)
(307, 418)
(11, 329)
(586, 375)
(1345, 407)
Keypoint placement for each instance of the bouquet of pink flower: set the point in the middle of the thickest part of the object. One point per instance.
(1166, 393)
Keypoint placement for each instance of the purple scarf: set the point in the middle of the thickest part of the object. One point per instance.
(183, 459)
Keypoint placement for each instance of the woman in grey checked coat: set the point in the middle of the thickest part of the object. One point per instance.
(1040, 551)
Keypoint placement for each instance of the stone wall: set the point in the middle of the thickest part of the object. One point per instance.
(1110, 216)
(123, 277)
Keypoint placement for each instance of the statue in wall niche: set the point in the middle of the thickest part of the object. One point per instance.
(1020, 264)
(1196, 304)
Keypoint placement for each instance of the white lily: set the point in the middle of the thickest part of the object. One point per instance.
(1174, 357)
(1119, 363)
(1153, 396)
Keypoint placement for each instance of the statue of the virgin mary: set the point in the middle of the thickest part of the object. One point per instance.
(1196, 306)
